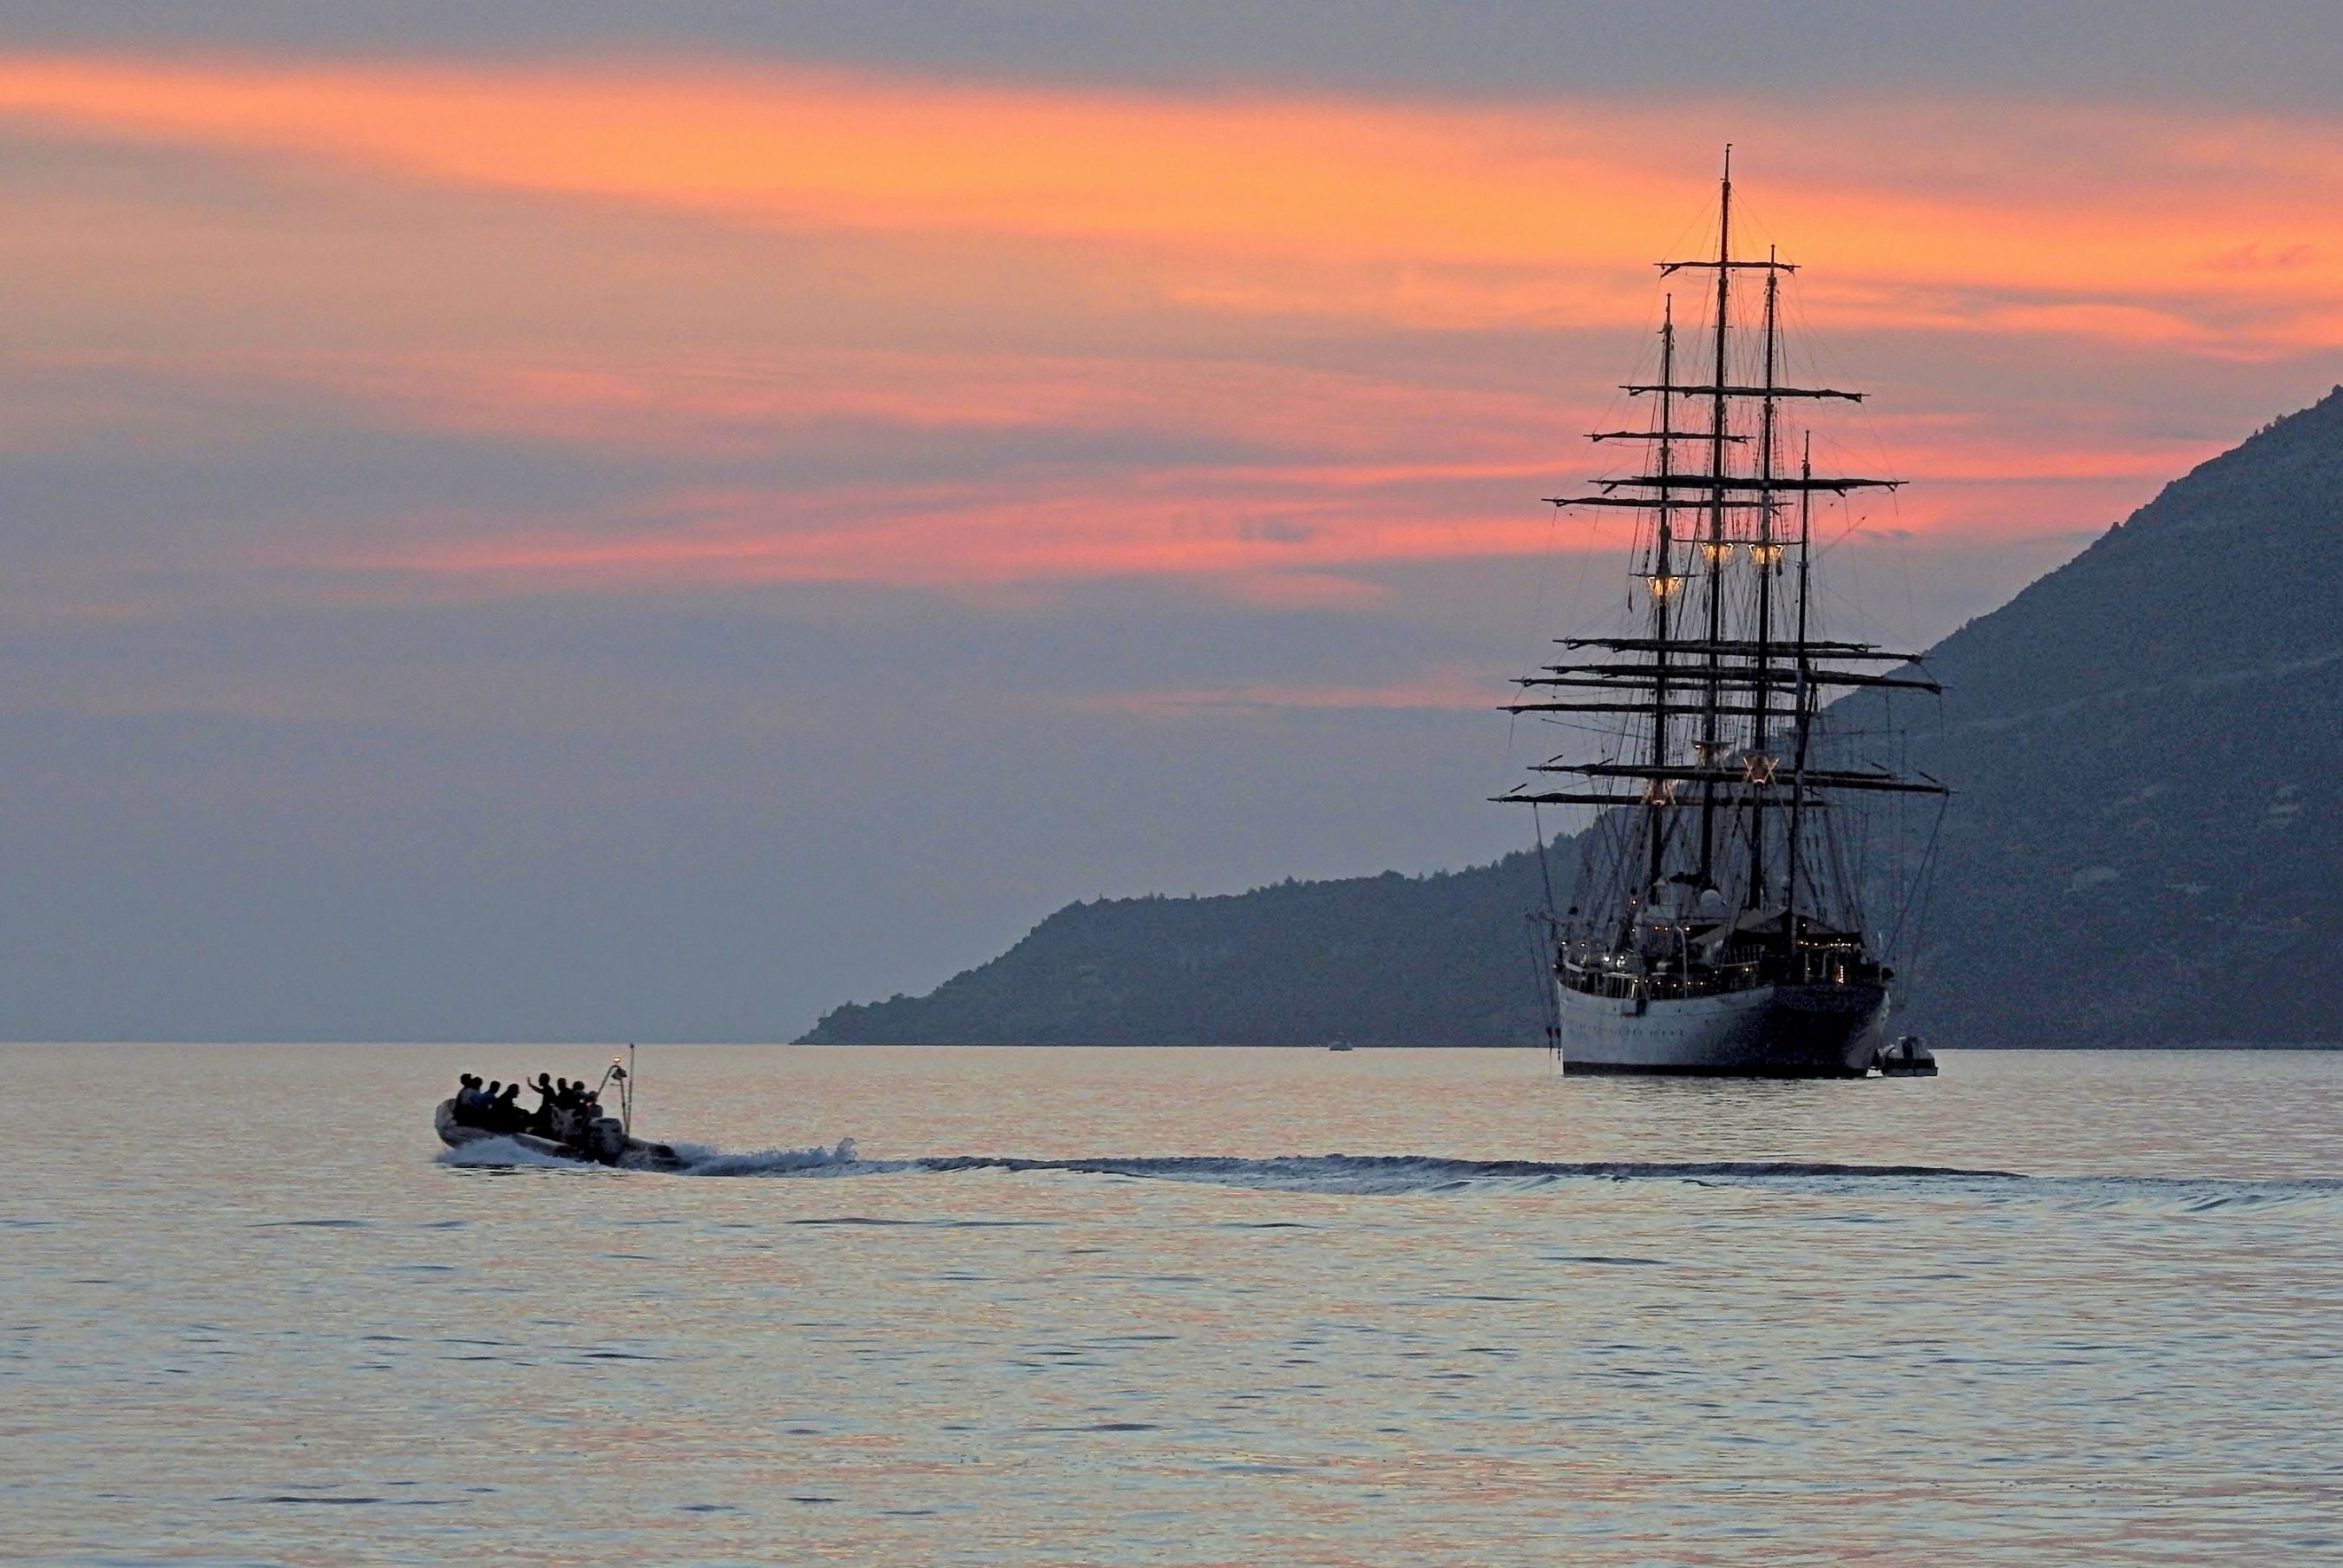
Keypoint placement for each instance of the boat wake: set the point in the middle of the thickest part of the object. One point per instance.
(1372, 1173)
(817, 1160)
(1286, 1172)
(1399, 1174)
(506, 1153)
(502, 1154)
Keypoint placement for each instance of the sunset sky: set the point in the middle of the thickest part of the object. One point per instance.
(523, 519)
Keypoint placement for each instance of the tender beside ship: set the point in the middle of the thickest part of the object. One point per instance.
(1717, 926)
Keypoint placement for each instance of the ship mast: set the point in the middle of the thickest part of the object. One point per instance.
(1719, 676)
(1664, 583)
(1763, 556)
(1716, 550)
(1804, 697)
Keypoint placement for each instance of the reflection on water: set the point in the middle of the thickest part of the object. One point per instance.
(1126, 1306)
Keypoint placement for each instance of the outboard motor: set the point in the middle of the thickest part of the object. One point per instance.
(605, 1139)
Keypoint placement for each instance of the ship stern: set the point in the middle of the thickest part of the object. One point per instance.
(1829, 1031)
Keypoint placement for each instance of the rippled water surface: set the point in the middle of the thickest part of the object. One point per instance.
(1162, 1306)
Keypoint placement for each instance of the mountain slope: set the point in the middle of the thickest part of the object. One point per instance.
(1378, 960)
(2148, 744)
(2147, 750)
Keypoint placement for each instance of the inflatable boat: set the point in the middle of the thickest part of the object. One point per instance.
(601, 1141)
(1907, 1057)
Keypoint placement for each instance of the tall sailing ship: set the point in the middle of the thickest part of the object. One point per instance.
(1717, 925)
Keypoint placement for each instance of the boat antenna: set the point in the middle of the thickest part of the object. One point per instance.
(623, 1074)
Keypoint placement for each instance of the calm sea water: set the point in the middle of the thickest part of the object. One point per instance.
(1179, 1307)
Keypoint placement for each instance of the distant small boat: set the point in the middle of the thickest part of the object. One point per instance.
(577, 1132)
(601, 1141)
(1339, 1045)
(1907, 1057)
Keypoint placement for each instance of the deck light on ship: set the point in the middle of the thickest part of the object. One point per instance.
(1664, 585)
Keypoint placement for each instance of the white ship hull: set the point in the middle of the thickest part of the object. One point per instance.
(1765, 1031)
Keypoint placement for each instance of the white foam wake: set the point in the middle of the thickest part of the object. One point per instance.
(816, 1160)
(699, 1159)
(1366, 1174)
(494, 1152)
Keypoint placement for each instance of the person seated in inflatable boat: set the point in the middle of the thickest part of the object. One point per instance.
(503, 1114)
(540, 1120)
(563, 1113)
(471, 1096)
(492, 1106)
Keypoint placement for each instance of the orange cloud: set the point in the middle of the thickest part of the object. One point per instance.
(1267, 341)
(1263, 537)
(716, 402)
(1424, 212)
(945, 540)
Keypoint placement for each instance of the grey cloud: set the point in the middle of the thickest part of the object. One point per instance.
(2275, 51)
